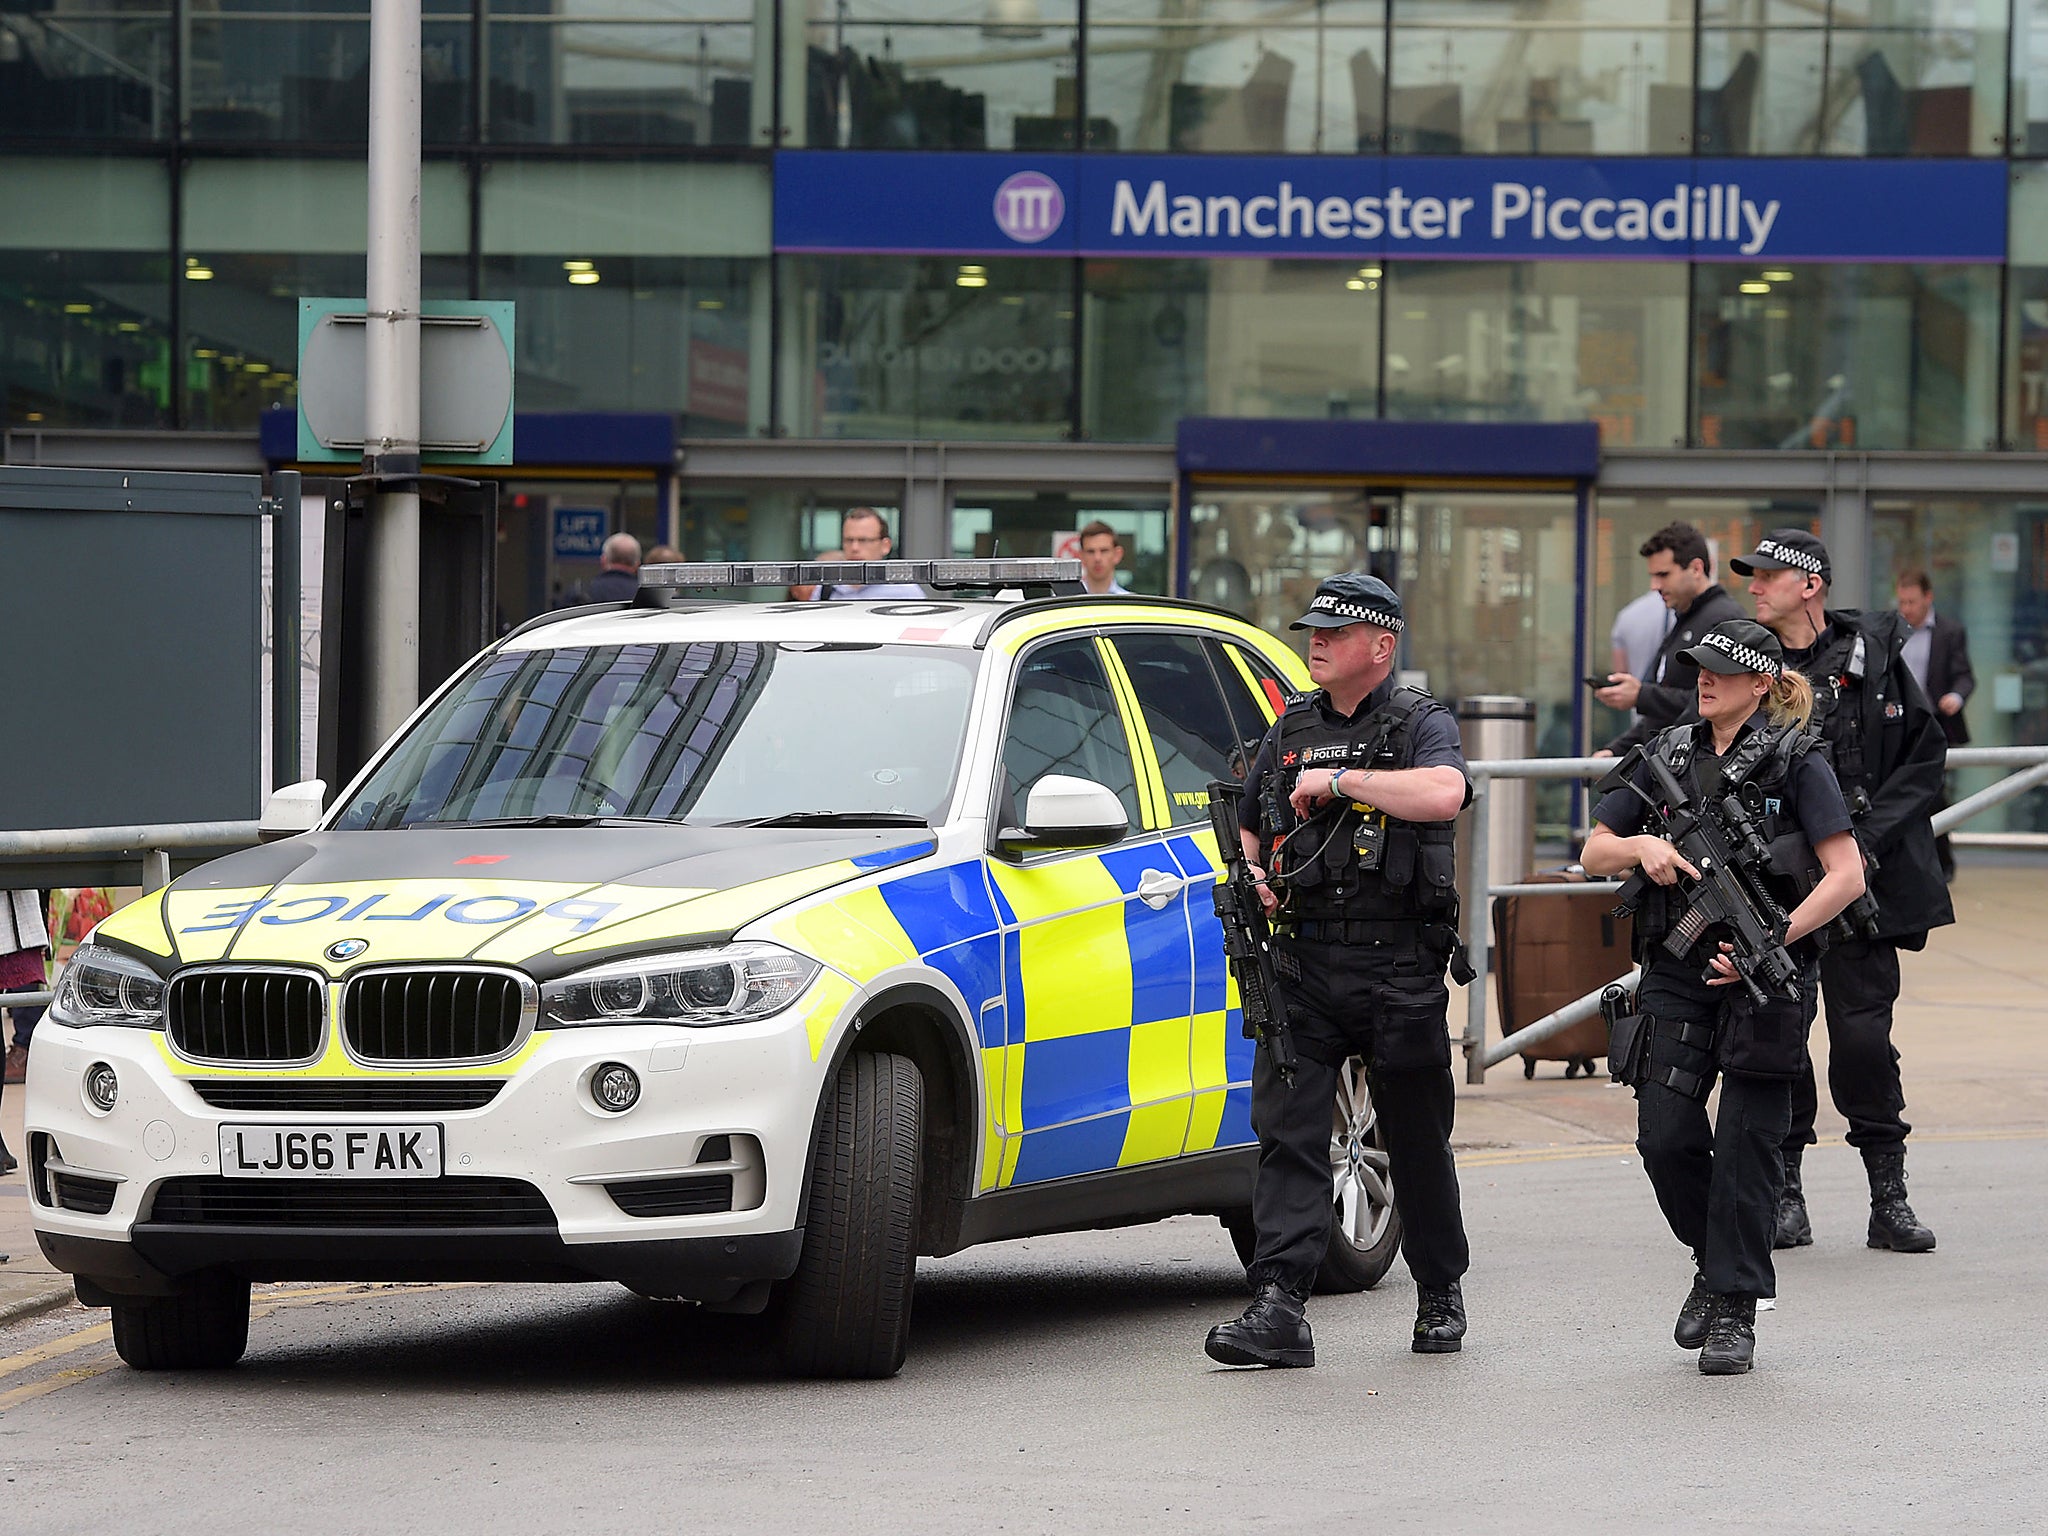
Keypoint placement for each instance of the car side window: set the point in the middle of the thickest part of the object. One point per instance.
(1063, 719)
(1255, 691)
(1193, 734)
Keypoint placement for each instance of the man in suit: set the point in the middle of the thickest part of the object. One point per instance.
(1938, 655)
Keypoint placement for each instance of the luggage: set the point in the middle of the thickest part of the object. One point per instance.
(1550, 950)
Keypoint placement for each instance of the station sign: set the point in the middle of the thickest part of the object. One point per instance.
(1412, 207)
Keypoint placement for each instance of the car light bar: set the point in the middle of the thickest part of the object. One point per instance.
(940, 575)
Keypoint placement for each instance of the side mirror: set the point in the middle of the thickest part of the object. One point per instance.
(291, 810)
(1066, 812)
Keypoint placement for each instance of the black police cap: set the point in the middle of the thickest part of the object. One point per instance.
(1786, 549)
(1353, 597)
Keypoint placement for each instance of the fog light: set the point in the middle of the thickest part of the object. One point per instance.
(102, 1087)
(615, 1086)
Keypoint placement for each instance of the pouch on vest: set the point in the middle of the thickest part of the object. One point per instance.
(1412, 1030)
(1399, 869)
(1766, 1039)
(1440, 869)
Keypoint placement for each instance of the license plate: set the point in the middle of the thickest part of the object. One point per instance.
(330, 1151)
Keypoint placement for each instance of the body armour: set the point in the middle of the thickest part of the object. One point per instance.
(1757, 775)
(1837, 675)
(1356, 865)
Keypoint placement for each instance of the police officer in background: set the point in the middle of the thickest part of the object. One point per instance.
(1347, 814)
(1886, 745)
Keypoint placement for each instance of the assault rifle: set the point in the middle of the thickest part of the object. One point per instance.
(1247, 936)
(1730, 891)
(1795, 857)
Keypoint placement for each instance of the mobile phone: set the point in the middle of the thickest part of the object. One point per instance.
(1596, 682)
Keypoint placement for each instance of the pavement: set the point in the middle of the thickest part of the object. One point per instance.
(1968, 1029)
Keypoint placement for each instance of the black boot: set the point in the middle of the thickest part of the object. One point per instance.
(1793, 1229)
(1439, 1319)
(1273, 1331)
(1691, 1331)
(1730, 1349)
(1892, 1222)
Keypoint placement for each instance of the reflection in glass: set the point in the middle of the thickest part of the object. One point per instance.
(1915, 92)
(619, 72)
(84, 339)
(1540, 341)
(1846, 356)
(634, 333)
(73, 70)
(2029, 131)
(981, 77)
(1760, 91)
(923, 347)
(242, 325)
(1989, 564)
(1237, 77)
(299, 71)
(2027, 350)
(1560, 79)
(1167, 339)
(1260, 551)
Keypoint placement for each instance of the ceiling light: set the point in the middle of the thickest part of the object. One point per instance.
(77, 309)
(711, 303)
(970, 280)
(1368, 271)
(1777, 275)
(1756, 287)
(1355, 284)
(199, 274)
(256, 368)
(206, 352)
(583, 279)
(579, 266)
(129, 326)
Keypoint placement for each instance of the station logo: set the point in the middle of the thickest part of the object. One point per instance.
(1029, 207)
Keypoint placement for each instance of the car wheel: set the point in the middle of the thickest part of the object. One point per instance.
(846, 1310)
(1365, 1229)
(202, 1329)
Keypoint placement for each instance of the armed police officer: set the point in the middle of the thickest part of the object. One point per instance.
(1348, 810)
(1888, 750)
(1729, 967)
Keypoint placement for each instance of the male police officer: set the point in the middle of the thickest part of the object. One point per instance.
(1887, 747)
(1349, 807)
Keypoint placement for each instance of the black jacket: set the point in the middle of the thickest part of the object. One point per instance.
(1904, 748)
(1672, 687)
(1948, 671)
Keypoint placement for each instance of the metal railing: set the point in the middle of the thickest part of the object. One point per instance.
(152, 847)
(2031, 763)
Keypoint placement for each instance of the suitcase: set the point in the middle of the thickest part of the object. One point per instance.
(1549, 951)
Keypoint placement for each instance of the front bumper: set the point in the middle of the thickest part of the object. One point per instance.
(756, 1086)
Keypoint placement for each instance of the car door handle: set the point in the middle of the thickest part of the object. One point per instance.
(1156, 888)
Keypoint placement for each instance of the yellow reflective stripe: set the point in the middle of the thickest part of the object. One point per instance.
(1205, 1050)
(717, 911)
(1158, 1062)
(1151, 784)
(1206, 1122)
(830, 994)
(856, 934)
(1251, 681)
(142, 924)
(1155, 1132)
(1120, 614)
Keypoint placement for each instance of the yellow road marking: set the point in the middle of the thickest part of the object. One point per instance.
(93, 1334)
(61, 1379)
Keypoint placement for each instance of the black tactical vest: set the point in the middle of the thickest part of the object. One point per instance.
(1757, 774)
(1353, 865)
(1837, 675)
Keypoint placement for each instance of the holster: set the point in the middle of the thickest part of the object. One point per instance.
(1628, 1036)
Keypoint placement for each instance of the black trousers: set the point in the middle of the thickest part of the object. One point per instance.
(1716, 1182)
(1390, 1008)
(1859, 982)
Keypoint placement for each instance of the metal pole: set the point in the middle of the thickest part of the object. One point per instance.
(2009, 788)
(1478, 923)
(391, 408)
(284, 631)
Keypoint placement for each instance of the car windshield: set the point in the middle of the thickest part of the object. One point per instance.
(706, 733)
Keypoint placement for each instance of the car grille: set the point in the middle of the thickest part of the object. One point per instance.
(453, 1202)
(243, 1015)
(694, 1195)
(77, 1192)
(441, 1015)
(348, 1097)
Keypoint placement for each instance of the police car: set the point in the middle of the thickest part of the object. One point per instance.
(738, 952)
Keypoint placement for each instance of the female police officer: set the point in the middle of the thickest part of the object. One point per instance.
(1718, 1186)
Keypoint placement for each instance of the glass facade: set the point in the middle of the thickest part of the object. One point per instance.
(610, 167)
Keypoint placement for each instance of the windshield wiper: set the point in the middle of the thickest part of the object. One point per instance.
(835, 819)
(551, 819)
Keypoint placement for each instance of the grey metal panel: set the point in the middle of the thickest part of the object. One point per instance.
(892, 463)
(90, 448)
(130, 647)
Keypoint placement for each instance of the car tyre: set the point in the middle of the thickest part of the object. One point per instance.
(846, 1310)
(202, 1329)
(1365, 1228)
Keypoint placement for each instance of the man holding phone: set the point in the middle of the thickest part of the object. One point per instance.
(1682, 573)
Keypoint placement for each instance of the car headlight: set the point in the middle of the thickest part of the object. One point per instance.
(103, 986)
(701, 987)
